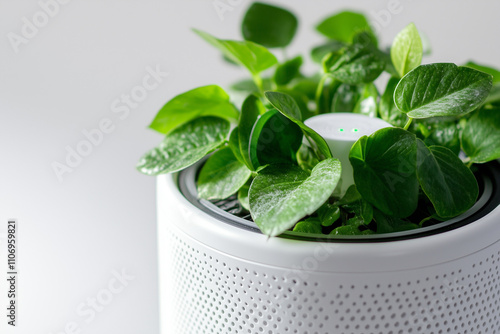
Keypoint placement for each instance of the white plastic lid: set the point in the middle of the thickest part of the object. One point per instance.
(341, 131)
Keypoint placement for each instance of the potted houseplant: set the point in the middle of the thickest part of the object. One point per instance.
(322, 205)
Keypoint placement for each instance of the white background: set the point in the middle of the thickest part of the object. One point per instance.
(101, 218)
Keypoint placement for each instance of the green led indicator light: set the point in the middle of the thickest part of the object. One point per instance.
(355, 130)
(341, 130)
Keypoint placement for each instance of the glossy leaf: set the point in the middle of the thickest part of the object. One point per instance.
(355, 64)
(441, 90)
(248, 86)
(185, 145)
(288, 107)
(362, 210)
(254, 57)
(365, 37)
(389, 224)
(270, 26)
(319, 52)
(328, 214)
(309, 225)
(345, 99)
(384, 167)
(222, 175)
(344, 26)
(324, 97)
(250, 111)
(274, 139)
(307, 86)
(407, 50)
(447, 182)
(351, 229)
(494, 95)
(367, 102)
(234, 145)
(202, 101)
(444, 134)
(287, 71)
(351, 195)
(481, 136)
(486, 69)
(306, 158)
(243, 196)
(300, 99)
(283, 194)
(387, 109)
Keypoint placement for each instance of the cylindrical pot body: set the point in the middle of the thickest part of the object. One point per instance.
(219, 278)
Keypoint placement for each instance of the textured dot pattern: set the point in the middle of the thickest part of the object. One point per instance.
(215, 293)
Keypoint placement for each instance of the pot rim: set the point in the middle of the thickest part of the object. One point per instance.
(488, 200)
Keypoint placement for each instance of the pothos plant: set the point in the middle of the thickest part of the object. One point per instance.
(445, 118)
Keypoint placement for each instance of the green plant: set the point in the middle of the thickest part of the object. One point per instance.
(406, 176)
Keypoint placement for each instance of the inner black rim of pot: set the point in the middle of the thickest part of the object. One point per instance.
(488, 177)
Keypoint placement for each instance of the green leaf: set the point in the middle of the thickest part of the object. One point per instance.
(389, 66)
(268, 25)
(202, 101)
(407, 50)
(248, 86)
(288, 107)
(282, 194)
(254, 57)
(345, 99)
(351, 195)
(185, 145)
(301, 100)
(387, 108)
(344, 26)
(355, 64)
(494, 95)
(243, 196)
(274, 139)
(328, 214)
(319, 52)
(441, 89)
(486, 69)
(250, 111)
(222, 175)
(362, 210)
(287, 71)
(384, 167)
(309, 225)
(481, 136)
(447, 182)
(444, 134)
(306, 158)
(324, 96)
(365, 37)
(389, 224)
(367, 102)
(306, 86)
(352, 229)
(234, 145)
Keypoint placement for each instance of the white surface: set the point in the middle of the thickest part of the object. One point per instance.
(341, 131)
(102, 216)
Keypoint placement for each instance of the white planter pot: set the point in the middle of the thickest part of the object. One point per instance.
(218, 277)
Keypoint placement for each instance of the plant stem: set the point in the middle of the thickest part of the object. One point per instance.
(469, 163)
(408, 123)
(319, 91)
(258, 82)
(424, 220)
